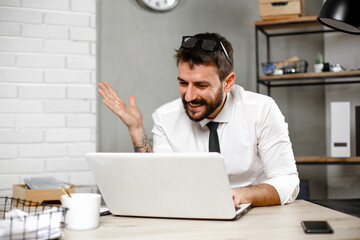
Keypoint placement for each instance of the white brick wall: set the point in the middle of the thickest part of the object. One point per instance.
(20, 75)
(47, 91)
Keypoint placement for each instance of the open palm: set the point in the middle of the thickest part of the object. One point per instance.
(129, 114)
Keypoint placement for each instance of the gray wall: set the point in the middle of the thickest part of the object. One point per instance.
(136, 49)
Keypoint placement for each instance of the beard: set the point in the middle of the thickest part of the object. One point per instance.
(210, 106)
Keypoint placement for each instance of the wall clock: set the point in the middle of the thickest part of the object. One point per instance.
(159, 5)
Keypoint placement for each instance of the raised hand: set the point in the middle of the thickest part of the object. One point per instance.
(129, 114)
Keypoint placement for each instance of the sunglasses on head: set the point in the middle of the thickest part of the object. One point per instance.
(208, 45)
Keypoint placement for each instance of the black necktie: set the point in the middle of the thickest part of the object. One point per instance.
(214, 145)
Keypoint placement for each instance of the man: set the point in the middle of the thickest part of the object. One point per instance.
(253, 136)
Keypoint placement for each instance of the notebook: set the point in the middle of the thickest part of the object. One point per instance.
(167, 185)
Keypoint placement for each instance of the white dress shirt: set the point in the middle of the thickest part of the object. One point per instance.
(253, 135)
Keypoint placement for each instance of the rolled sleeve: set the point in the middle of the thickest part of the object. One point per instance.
(276, 154)
(287, 186)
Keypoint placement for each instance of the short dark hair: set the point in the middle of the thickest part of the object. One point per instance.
(196, 55)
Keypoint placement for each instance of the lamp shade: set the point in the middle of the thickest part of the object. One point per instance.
(342, 15)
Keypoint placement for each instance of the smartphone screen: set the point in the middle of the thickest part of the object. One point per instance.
(316, 227)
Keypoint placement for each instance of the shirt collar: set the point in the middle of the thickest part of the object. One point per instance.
(225, 113)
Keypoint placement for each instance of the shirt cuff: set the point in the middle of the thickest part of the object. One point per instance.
(287, 187)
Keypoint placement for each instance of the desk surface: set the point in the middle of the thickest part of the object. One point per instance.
(276, 222)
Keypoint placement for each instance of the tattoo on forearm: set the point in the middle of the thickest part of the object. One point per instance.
(145, 145)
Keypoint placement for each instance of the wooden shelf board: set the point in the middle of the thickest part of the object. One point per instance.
(324, 159)
(298, 21)
(354, 73)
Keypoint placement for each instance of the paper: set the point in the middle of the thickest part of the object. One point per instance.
(45, 225)
(44, 183)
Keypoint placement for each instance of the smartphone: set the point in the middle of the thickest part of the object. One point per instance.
(316, 227)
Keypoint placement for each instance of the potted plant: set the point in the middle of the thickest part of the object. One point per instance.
(319, 63)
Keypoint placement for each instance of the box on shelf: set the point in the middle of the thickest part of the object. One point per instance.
(42, 196)
(277, 9)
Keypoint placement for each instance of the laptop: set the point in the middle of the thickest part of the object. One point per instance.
(166, 185)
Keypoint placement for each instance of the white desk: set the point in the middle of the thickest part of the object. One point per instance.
(276, 222)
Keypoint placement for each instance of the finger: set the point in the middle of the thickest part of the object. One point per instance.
(102, 93)
(110, 103)
(108, 95)
(111, 90)
(110, 106)
(132, 100)
(106, 87)
(236, 198)
(102, 86)
(112, 94)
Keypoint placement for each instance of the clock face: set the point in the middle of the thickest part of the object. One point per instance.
(159, 5)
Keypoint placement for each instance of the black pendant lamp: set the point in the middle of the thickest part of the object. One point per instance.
(342, 15)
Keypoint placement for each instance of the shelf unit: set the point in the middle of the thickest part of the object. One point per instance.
(272, 29)
(300, 26)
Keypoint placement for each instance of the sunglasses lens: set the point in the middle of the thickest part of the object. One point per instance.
(189, 42)
(208, 45)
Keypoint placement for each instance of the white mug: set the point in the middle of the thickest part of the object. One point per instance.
(83, 210)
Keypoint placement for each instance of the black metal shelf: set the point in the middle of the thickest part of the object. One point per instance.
(303, 79)
(272, 29)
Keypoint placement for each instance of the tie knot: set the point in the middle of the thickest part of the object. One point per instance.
(212, 126)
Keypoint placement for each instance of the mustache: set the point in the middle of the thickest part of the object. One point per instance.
(196, 101)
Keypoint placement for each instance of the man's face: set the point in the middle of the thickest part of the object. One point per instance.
(201, 90)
